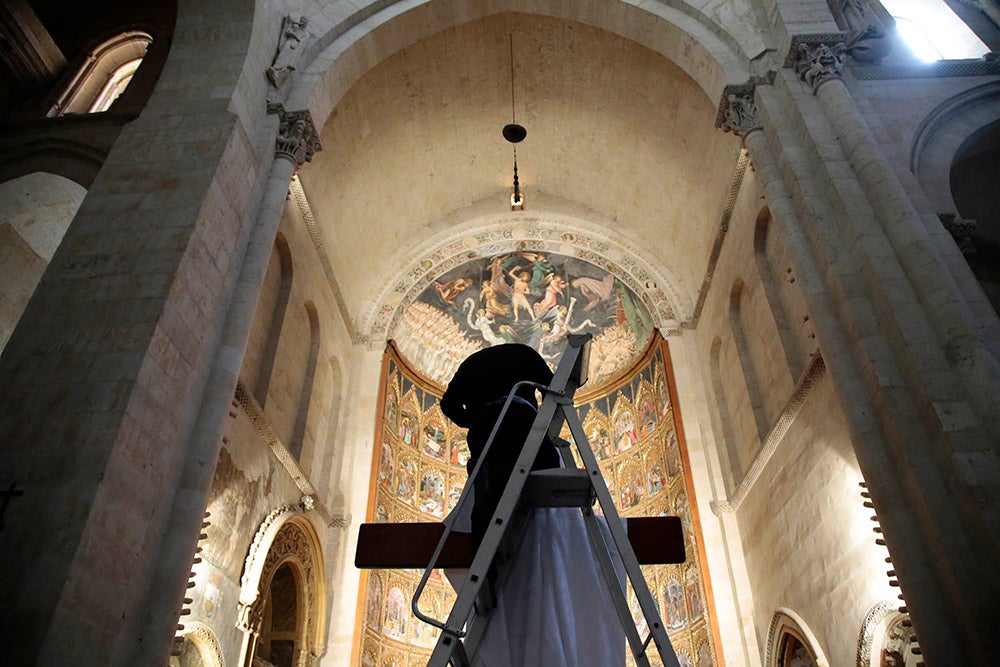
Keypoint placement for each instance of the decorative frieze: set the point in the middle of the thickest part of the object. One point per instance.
(297, 138)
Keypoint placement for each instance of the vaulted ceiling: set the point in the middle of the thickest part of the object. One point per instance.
(618, 135)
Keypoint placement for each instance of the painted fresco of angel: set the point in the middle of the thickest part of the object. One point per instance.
(451, 289)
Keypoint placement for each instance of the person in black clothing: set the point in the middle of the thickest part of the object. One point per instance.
(474, 400)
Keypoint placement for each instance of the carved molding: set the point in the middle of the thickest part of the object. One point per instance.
(283, 538)
(297, 138)
(866, 636)
(209, 649)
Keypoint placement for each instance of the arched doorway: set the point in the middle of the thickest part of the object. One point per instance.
(283, 597)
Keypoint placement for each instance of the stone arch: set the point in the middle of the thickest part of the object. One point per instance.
(413, 267)
(785, 624)
(284, 537)
(76, 161)
(199, 639)
(943, 132)
(343, 51)
(106, 65)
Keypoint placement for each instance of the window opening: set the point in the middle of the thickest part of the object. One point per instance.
(104, 76)
(932, 30)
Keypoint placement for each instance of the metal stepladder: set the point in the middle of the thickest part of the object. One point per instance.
(569, 486)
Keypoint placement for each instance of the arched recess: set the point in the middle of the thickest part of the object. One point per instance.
(725, 417)
(886, 638)
(35, 212)
(269, 318)
(669, 301)
(765, 271)
(754, 393)
(285, 538)
(711, 53)
(199, 648)
(789, 638)
(943, 132)
(975, 172)
(308, 381)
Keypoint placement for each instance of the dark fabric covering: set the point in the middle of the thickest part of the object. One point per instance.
(474, 400)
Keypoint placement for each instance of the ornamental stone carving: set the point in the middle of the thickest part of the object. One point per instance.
(818, 63)
(867, 38)
(297, 138)
(290, 46)
(738, 111)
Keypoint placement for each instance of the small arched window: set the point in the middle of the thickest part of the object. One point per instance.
(104, 76)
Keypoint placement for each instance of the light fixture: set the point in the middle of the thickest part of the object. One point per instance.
(515, 134)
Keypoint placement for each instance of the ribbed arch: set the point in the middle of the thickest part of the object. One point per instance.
(746, 360)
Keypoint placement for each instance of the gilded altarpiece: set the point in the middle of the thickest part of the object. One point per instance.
(420, 469)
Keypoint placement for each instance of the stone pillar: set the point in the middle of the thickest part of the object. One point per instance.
(296, 143)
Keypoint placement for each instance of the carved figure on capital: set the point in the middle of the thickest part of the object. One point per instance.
(739, 112)
(297, 138)
(818, 63)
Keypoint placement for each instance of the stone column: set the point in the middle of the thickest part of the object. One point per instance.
(296, 143)
(933, 525)
(820, 66)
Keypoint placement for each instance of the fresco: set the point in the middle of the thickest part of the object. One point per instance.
(420, 471)
(533, 298)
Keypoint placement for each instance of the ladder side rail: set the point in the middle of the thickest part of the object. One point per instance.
(599, 543)
(452, 632)
(639, 585)
(449, 520)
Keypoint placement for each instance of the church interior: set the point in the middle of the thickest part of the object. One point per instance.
(244, 246)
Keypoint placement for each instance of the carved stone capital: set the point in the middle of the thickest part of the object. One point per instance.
(737, 110)
(818, 59)
(297, 139)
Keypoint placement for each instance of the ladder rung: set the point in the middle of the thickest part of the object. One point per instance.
(558, 487)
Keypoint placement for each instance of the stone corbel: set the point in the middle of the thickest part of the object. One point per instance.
(817, 58)
(297, 138)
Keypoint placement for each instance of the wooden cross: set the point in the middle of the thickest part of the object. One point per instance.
(657, 539)
(7, 496)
